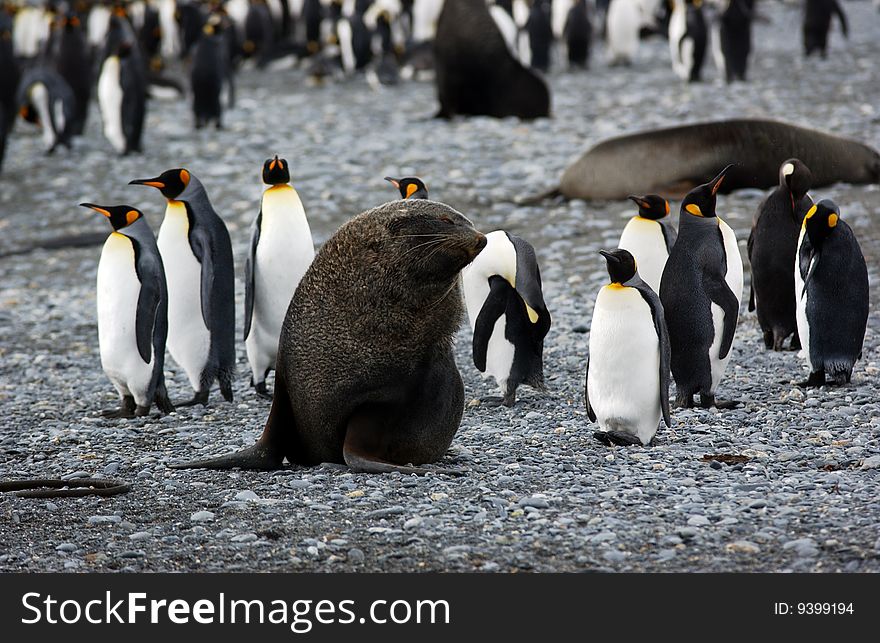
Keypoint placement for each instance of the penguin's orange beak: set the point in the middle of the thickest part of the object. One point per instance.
(96, 208)
(718, 180)
(153, 183)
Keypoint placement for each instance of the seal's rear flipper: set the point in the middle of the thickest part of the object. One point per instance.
(269, 451)
(362, 463)
(537, 199)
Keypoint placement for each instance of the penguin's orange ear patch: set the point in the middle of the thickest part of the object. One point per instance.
(272, 165)
(184, 177)
(694, 209)
(411, 189)
(832, 220)
(131, 216)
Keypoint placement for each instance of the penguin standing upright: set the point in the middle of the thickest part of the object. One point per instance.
(734, 39)
(701, 289)
(772, 248)
(8, 82)
(122, 87)
(281, 251)
(831, 287)
(45, 99)
(132, 313)
(198, 261)
(577, 33)
(817, 24)
(688, 38)
(505, 304)
(73, 61)
(540, 35)
(211, 71)
(411, 187)
(259, 33)
(622, 23)
(627, 380)
(649, 237)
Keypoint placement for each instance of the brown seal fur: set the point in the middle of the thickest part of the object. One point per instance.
(365, 373)
(476, 73)
(671, 161)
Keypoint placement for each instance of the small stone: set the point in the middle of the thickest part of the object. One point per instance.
(384, 513)
(803, 547)
(66, 547)
(132, 554)
(76, 474)
(871, 463)
(357, 493)
(687, 532)
(412, 523)
(247, 496)
(202, 516)
(603, 537)
(103, 520)
(537, 503)
(715, 464)
(244, 538)
(757, 504)
(140, 535)
(698, 521)
(356, 556)
(614, 556)
(743, 547)
(51, 506)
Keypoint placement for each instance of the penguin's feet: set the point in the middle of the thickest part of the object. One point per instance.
(795, 344)
(261, 390)
(125, 410)
(509, 400)
(768, 340)
(815, 379)
(225, 391)
(616, 437)
(492, 401)
(141, 411)
(201, 397)
(707, 400)
(726, 404)
(684, 401)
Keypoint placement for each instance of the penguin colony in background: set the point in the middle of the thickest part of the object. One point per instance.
(60, 56)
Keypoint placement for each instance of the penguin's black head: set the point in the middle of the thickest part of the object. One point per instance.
(621, 265)
(651, 206)
(796, 176)
(170, 183)
(71, 22)
(700, 202)
(120, 215)
(28, 113)
(821, 221)
(276, 171)
(410, 187)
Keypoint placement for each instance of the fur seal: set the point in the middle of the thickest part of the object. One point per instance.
(672, 161)
(476, 73)
(365, 373)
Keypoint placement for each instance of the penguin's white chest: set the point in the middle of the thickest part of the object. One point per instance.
(110, 102)
(623, 382)
(117, 298)
(283, 255)
(645, 241)
(189, 340)
(734, 279)
(800, 298)
(623, 24)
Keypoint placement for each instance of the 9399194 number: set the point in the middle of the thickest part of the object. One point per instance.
(824, 608)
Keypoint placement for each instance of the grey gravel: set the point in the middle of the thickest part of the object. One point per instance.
(539, 494)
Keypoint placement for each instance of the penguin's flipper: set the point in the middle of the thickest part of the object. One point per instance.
(670, 236)
(528, 278)
(249, 276)
(814, 260)
(720, 294)
(149, 272)
(493, 308)
(840, 14)
(590, 412)
(660, 328)
(200, 243)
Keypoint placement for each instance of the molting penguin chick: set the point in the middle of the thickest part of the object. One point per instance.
(701, 289)
(649, 236)
(627, 380)
(772, 248)
(132, 313)
(410, 187)
(281, 251)
(831, 287)
(197, 254)
(505, 304)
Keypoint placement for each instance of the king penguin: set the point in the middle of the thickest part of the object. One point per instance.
(688, 37)
(701, 289)
(197, 254)
(281, 251)
(410, 187)
(132, 313)
(627, 382)
(505, 304)
(122, 87)
(649, 237)
(817, 24)
(831, 287)
(772, 247)
(45, 99)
